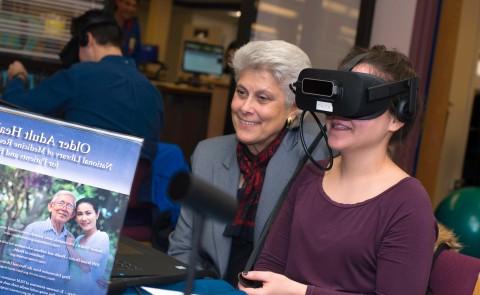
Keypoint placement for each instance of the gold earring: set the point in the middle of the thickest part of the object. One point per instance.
(290, 122)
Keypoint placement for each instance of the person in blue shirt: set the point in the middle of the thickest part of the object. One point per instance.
(125, 11)
(104, 90)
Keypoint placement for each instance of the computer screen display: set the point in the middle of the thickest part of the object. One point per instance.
(202, 58)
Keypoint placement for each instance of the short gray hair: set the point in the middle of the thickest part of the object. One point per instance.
(64, 192)
(282, 59)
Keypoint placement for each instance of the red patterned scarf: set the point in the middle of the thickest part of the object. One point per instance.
(253, 168)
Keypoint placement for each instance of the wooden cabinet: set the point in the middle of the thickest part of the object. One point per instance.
(192, 113)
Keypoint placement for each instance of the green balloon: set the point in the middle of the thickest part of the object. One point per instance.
(460, 212)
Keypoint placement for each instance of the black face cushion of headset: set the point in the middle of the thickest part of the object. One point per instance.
(82, 39)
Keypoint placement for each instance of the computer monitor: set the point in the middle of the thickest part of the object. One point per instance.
(202, 58)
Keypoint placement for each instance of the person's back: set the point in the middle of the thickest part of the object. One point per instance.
(124, 13)
(104, 90)
(111, 94)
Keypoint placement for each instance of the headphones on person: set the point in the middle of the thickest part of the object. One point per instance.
(404, 108)
(69, 53)
(101, 19)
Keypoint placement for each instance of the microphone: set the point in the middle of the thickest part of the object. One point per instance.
(202, 197)
(205, 200)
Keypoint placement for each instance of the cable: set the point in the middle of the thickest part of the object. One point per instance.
(324, 133)
(323, 130)
(263, 235)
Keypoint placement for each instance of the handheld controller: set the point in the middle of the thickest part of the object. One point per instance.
(248, 283)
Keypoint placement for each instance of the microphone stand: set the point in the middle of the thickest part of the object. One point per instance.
(197, 229)
(205, 200)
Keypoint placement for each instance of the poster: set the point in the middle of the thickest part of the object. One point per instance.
(63, 196)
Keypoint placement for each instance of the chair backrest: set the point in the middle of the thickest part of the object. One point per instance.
(168, 161)
(140, 180)
(151, 215)
(454, 273)
(138, 218)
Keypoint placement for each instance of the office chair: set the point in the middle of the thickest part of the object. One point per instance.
(151, 215)
(454, 273)
(138, 220)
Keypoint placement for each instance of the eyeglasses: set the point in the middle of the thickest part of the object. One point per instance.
(63, 204)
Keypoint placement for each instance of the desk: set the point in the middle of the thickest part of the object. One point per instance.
(201, 287)
(193, 113)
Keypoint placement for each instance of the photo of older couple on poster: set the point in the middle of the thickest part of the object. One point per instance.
(63, 253)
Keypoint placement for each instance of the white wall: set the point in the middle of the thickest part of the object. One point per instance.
(393, 24)
(324, 29)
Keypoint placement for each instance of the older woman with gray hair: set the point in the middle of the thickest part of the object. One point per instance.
(255, 163)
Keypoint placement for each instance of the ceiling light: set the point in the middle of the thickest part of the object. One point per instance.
(277, 10)
(236, 13)
(264, 28)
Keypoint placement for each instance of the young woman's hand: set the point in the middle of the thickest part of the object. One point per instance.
(84, 267)
(69, 241)
(273, 283)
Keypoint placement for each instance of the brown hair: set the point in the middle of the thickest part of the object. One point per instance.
(447, 236)
(389, 65)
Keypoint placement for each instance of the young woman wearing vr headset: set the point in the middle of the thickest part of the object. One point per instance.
(364, 226)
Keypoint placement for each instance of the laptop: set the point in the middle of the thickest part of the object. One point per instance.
(138, 264)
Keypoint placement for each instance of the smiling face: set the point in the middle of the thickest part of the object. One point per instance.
(347, 134)
(86, 217)
(61, 209)
(259, 109)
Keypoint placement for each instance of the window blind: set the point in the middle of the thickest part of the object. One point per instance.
(39, 28)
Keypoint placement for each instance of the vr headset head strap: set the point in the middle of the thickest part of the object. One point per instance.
(347, 67)
(407, 89)
(78, 30)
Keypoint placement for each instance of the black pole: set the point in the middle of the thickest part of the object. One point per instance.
(247, 18)
(365, 23)
(206, 201)
(192, 259)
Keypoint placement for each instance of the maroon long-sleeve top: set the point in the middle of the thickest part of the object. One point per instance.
(383, 245)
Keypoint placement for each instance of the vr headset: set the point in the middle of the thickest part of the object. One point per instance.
(69, 53)
(354, 95)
